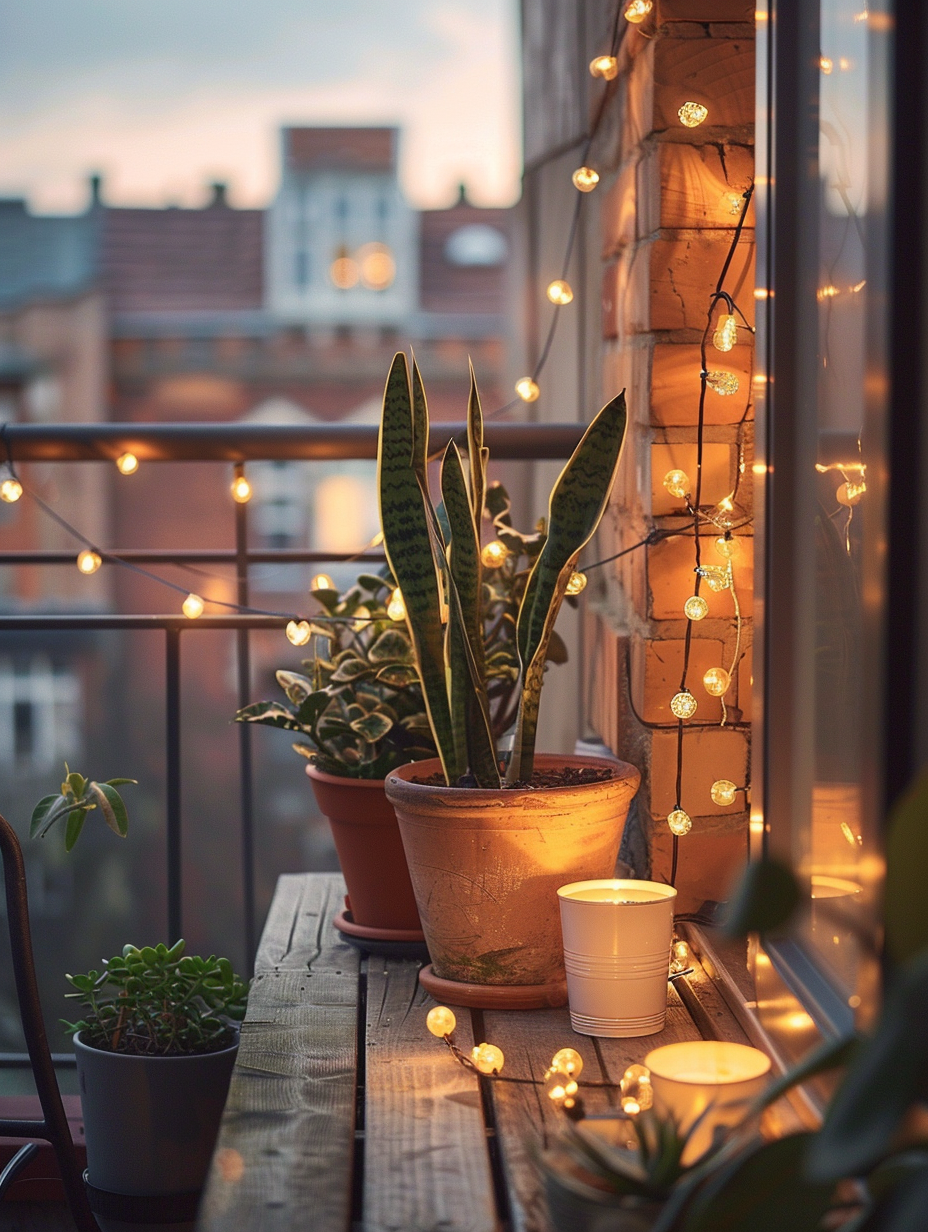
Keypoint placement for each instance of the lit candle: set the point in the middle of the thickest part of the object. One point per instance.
(706, 1078)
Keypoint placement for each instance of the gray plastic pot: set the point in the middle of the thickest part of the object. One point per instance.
(151, 1122)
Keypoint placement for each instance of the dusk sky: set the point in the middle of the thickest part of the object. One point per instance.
(162, 97)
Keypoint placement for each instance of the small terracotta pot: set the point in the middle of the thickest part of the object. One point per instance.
(486, 866)
(370, 851)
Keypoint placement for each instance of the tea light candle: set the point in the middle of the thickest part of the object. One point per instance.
(708, 1077)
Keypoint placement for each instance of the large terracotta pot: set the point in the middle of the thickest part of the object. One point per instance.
(486, 865)
(370, 852)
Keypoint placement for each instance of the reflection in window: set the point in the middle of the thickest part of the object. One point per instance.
(40, 706)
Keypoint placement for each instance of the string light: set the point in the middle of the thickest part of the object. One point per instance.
(88, 561)
(559, 1086)
(677, 484)
(527, 389)
(298, 632)
(637, 11)
(11, 490)
(679, 956)
(127, 464)
(321, 581)
(494, 554)
(441, 1021)
(241, 490)
(849, 494)
(344, 271)
(723, 792)
(396, 608)
(585, 179)
(568, 1061)
(576, 583)
(683, 704)
(193, 606)
(716, 681)
(606, 67)
(723, 383)
(715, 577)
(696, 608)
(726, 333)
(637, 1094)
(487, 1058)
(726, 546)
(559, 292)
(734, 201)
(827, 65)
(693, 114)
(680, 822)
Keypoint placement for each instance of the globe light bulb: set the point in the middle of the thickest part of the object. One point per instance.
(726, 546)
(693, 114)
(716, 578)
(726, 333)
(396, 608)
(677, 484)
(559, 292)
(127, 464)
(637, 11)
(679, 956)
(527, 390)
(441, 1021)
(298, 632)
(637, 1094)
(321, 581)
(585, 179)
(575, 583)
(559, 1086)
(88, 561)
(344, 272)
(241, 490)
(494, 553)
(193, 606)
(487, 1058)
(696, 608)
(849, 494)
(680, 822)
(734, 202)
(606, 67)
(11, 490)
(827, 65)
(683, 704)
(723, 383)
(723, 792)
(568, 1061)
(716, 681)
(376, 265)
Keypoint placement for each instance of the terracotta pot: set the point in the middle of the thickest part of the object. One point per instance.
(486, 866)
(370, 851)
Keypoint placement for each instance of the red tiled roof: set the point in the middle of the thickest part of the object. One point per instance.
(357, 149)
(183, 260)
(446, 287)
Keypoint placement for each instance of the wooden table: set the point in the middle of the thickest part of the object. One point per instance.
(345, 1114)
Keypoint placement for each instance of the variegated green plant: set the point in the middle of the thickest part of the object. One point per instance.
(78, 797)
(435, 556)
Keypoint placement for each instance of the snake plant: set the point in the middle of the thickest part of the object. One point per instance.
(435, 556)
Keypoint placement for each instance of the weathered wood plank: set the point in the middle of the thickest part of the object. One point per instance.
(426, 1166)
(526, 1119)
(286, 1144)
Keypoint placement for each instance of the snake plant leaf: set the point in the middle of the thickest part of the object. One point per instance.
(420, 427)
(578, 502)
(408, 546)
(110, 803)
(905, 904)
(477, 453)
(470, 707)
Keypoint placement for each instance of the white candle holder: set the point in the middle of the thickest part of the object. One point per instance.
(617, 936)
(711, 1079)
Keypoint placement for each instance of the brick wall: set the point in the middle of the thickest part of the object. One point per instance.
(666, 224)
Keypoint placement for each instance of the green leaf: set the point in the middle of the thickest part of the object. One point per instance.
(497, 502)
(393, 645)
(905, 1207)
(905, 903)
(111, 805)
(77, 783)
(557, 651)
(577, 503)
(397, 675)
(295, 685)
(350, 670)
(41, 823)
(270, 714)
(832, 1054)
(373, 726)
(477, 453)
(762, 1190)
(76, 819)
(409, 549)
(121, 782)
(764, 900)
(371, 583)
(470, 707)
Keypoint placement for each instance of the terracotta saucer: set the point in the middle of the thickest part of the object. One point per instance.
(494, 996)
(387, 942)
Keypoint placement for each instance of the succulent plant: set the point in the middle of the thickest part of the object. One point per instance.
(435, 555)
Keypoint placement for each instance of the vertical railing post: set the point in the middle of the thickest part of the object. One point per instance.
(173, 838)
(246, 767)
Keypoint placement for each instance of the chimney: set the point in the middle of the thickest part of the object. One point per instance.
(218, 198)
(95, 183)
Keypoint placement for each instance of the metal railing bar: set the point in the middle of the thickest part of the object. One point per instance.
(195, 556)
(173, 831)
(44, 622)
(20, 1060)
(241, 442)
(246, 767)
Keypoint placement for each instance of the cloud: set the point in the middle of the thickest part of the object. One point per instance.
(163, 97)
